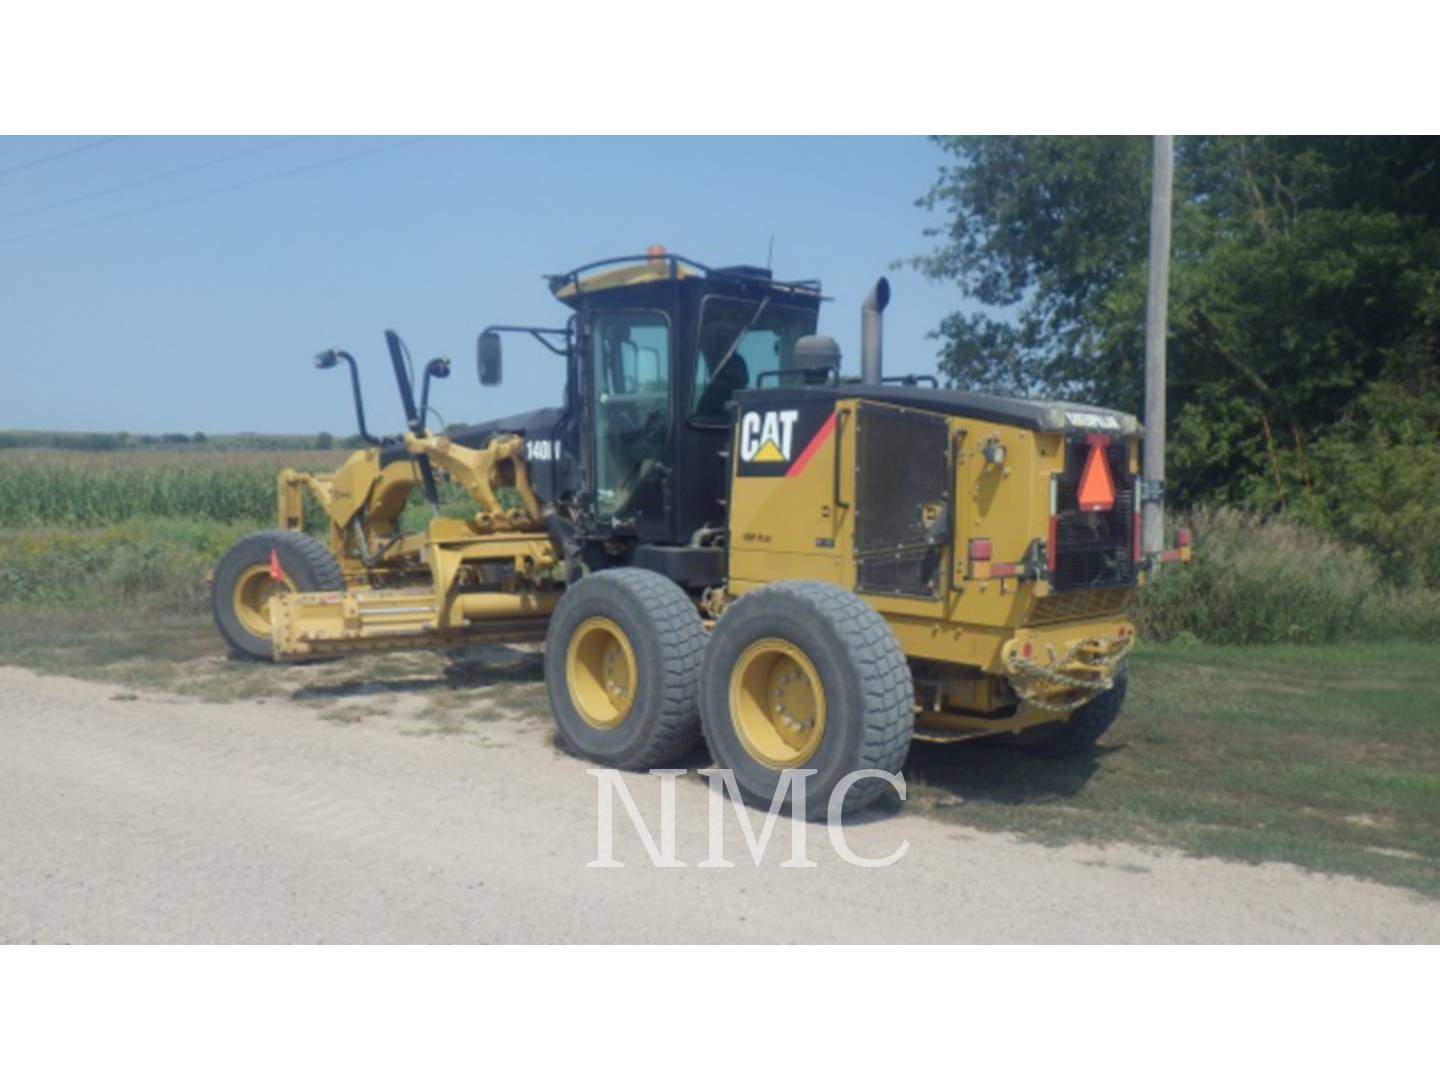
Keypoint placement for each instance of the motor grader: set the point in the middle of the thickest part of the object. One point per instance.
(718, 534)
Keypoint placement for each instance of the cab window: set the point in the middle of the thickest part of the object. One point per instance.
(630, 357)
(762, 339)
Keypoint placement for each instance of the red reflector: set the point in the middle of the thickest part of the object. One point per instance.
(1182, 537)
(1097, 487)
(1003, 569)
(1053, 545)
(276, 574)
(980, 550)
(1027, 649)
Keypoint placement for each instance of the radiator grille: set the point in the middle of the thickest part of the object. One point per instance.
(905, 573)
(1094, 550)
(902, 468)
(1084, 604)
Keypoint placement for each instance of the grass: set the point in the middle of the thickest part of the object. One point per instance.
(156, 565)
(1327, 757)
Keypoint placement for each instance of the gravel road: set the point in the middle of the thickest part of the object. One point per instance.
(160, 819)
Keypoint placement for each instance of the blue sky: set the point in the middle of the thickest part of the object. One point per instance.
(168, 305)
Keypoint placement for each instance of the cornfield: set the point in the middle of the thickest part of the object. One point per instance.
(82, 489)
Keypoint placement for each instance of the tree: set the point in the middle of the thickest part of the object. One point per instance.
(324, 441)
(1304, 309)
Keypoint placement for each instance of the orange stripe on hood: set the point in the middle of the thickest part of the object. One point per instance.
(826, 430)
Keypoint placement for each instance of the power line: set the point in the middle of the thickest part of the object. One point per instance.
(63, 153)
(143, 180)
(284, 174)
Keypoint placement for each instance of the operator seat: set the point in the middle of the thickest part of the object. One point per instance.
(734, 375)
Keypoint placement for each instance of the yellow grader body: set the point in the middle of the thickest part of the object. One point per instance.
(982, 634)
(810, 574)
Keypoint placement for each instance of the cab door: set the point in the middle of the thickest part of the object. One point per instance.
(627, 384)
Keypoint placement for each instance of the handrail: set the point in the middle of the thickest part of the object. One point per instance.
(572, 277)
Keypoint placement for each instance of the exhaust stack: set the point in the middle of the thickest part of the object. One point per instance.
(872, 333)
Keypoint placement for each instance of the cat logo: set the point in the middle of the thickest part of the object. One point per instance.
(766, 438)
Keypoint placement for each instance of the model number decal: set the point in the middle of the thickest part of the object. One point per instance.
(1092, 420)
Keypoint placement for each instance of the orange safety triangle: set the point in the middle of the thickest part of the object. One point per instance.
(1097, 487)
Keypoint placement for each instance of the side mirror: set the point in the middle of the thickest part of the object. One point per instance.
(487, 354)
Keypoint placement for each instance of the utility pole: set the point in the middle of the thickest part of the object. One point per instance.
(1157, 298)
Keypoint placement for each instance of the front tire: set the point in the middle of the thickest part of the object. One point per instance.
(622, 668)
(243, 585)
(803, 675)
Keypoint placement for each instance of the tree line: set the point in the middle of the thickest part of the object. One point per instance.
(1304, 337)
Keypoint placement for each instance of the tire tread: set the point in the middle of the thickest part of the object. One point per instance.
(318, 571)
(680, 637)
(889, 692)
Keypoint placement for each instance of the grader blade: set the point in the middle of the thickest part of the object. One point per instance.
(310, 625)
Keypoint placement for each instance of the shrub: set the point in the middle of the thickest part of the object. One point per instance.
(1257, 580)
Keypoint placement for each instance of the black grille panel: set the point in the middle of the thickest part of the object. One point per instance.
(902, 500)
(906, 573)
(1079, 605)
(1094, 550)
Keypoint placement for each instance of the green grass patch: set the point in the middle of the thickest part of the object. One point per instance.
(1327, 757)
(141, 565)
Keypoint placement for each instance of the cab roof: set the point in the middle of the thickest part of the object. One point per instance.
(659, 265)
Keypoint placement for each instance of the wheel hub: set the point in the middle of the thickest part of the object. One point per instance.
(777, 703)
(251, 598)
(601, 671)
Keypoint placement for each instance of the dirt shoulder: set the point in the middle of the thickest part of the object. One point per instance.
(131, 815)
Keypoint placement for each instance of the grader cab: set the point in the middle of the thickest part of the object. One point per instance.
(717, 533)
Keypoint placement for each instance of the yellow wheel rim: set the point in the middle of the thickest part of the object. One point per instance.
(777, 704)
(251, 599)
(600, 669)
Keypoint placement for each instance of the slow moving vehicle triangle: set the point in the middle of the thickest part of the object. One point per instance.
(1097, 487)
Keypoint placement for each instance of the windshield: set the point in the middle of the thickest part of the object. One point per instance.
(767, 345)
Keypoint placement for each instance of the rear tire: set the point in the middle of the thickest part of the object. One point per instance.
(1079, 734)
(243, 584)
(622, 668)
(803, 675)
